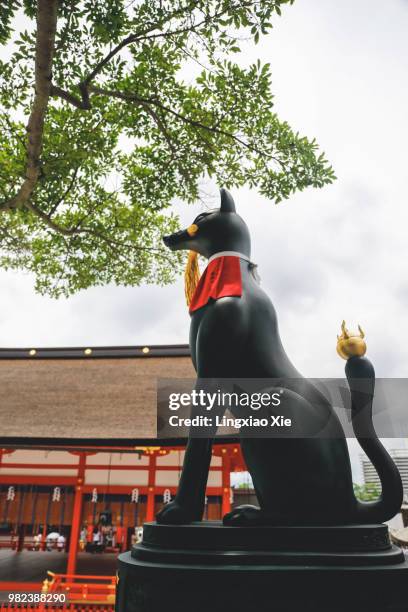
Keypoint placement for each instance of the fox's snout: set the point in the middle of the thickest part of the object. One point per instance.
(172, 241)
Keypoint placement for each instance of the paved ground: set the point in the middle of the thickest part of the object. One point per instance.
(32, 566)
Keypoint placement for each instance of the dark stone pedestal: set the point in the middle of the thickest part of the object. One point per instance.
(208, 567)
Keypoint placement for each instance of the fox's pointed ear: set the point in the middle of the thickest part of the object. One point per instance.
(227, 202)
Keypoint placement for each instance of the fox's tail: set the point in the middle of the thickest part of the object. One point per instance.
(361, 378)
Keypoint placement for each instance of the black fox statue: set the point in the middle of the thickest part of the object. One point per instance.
(302, 481)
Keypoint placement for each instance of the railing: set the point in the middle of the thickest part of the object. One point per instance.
(10, 543)
(29, 544)
(67, 592)
(81, 589)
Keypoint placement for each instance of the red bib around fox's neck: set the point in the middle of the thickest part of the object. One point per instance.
(221, 278)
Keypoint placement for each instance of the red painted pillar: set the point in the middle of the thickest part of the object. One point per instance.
(76, 517)
(226, 483)
(44, 534)
(45, 527)
(75, 529)
(125, 535)
(89, 529)
(150, 489)
(126, 542)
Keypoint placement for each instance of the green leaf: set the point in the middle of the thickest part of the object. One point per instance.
(109, 174)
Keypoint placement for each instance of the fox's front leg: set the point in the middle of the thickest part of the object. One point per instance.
(189, 502)
(220, 343)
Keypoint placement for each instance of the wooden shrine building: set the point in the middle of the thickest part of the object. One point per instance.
(78, 442)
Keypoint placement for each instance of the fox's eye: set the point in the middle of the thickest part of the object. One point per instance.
(200, 217)
(192, 229)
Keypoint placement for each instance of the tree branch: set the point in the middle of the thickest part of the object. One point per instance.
(66, 231)
(146, 35)
(162, 128)
(131, 97)
(58, 92)
(84, 102)
(66, 192)
(44, 50)
(77, 230)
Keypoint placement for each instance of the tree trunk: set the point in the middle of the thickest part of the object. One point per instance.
(44, 50)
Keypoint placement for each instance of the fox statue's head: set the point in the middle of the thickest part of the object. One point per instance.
(214, 231)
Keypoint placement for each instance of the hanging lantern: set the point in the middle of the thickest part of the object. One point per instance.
(56, 494)
(166, 496)
(134, 497)
(11, 493)
(94, 495)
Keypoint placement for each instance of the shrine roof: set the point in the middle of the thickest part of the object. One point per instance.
(85, 394)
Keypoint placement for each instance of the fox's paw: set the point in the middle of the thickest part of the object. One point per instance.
(244, 516)
(176, 514)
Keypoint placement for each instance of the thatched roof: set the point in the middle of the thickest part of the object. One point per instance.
(104, 393)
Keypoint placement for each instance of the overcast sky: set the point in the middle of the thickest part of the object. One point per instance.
(339, 74)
